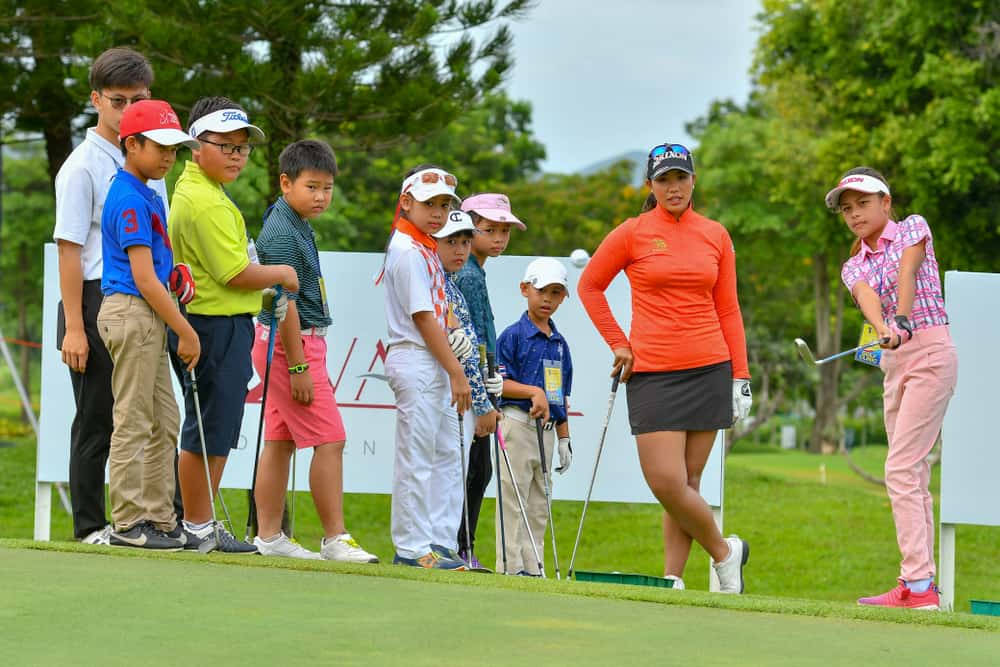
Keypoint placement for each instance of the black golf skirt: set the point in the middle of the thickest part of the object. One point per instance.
(694, 399)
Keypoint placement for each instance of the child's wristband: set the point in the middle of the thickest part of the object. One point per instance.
(298, 369)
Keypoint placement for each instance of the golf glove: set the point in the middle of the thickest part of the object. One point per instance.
(742, 399)
(565, 455)
(460, 345)
(278, 306)
(181, 283)
(903, 325)
(494, 385)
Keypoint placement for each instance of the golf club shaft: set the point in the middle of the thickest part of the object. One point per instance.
(520, 504)
(204, 455)
(252, 511)
(491, 364)
(593, 476)
(853, 350)
(465, 489)
(546, 483)
(291, 520)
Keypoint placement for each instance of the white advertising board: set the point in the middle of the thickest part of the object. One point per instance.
(356, 344)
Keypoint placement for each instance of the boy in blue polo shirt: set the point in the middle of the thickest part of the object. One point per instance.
(138, 262)
(538, 375)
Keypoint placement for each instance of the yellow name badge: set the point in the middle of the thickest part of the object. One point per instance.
(322, 296)
(872, 355)
(553, 381)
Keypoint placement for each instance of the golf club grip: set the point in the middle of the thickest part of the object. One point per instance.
(615, 380)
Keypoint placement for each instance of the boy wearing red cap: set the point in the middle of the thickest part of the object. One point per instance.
(138, 262)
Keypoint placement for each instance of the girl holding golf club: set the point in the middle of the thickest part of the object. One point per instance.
(892, 274)
(684, 360)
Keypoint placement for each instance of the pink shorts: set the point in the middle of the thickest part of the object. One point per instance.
(286, 419)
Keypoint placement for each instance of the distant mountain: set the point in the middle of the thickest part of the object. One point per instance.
(636, 157)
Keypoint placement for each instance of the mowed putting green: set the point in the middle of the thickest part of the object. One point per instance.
(73, 607)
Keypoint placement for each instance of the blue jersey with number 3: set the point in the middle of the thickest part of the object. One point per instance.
(134, 215)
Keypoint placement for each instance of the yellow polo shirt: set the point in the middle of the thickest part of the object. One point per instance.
(208, 234)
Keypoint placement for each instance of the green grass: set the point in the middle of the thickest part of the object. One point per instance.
(825, 542)
(251, 608)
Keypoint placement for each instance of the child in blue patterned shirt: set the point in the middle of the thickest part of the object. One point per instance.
(453, 248)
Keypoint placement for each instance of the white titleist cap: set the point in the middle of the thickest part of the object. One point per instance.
(458, 221)
(225, 120)
(858, 182)
(545, 271)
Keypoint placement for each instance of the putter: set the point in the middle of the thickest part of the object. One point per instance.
(593, 476)
(807, 355)
(212, 543)
(252, 511)
(546, 481)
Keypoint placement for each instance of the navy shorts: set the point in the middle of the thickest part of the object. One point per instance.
(224, 371)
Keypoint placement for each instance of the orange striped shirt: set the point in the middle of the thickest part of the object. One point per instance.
(682, 273)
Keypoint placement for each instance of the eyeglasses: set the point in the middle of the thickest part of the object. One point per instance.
(434, 177)
(118, 102)
(662, 150)
(229, 149)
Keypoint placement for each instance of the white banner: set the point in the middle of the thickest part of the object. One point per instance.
(356, 347)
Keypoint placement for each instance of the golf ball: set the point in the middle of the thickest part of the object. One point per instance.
(579, 258)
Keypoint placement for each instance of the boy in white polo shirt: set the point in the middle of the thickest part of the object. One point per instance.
(424, 373)
(118, 78)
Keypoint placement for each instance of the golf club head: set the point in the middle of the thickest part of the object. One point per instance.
(805, 352)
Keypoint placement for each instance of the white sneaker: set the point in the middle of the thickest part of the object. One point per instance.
(678, 583)
(345, 549)
(101, 537)
(284, 547)
(730, 570)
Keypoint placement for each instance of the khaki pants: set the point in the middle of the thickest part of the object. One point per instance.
(521, 439)
(146, 421)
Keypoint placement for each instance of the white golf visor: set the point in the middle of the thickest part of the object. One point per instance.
(225, 120)
(857, 182)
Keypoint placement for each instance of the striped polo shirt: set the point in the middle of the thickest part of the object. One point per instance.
(286, 238)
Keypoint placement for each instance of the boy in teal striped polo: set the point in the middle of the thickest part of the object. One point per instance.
(301, 410)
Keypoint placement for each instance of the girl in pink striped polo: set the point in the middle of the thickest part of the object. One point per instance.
(893, 276)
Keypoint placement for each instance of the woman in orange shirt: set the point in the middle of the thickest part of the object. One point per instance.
(685, 361)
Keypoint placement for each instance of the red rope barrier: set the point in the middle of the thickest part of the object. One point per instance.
(25, 343)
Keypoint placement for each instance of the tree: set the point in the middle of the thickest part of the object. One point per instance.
(909, 89)
(366, 75)
(29, 216)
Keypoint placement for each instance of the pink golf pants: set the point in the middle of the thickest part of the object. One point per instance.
(920, 378)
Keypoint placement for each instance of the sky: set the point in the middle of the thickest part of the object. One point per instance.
(608, 77)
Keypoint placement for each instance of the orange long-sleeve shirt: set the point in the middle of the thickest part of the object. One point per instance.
(682, 272)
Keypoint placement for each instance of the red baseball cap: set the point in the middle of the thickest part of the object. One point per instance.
(155, 120)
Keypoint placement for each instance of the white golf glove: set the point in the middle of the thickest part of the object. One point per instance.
(565, 455)
(460, 345)
(742, 399)
(278, 306)
(494, 385)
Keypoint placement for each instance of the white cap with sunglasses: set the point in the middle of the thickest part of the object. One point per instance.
(225, 120)
(429, 183)
(665, 157)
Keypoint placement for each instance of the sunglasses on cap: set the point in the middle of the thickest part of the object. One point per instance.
(662, 150)
(434, 177)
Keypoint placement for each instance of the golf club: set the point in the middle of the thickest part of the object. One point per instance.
(291, 520)
(546, 482)
(252, 511)
(593, 476)
(488, 363)
(520, 503)
(211, 543)
(807, 355)
(465, 490)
